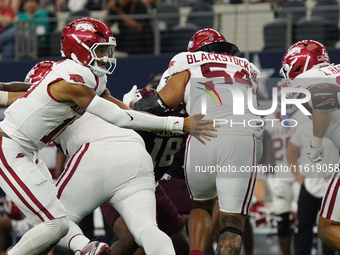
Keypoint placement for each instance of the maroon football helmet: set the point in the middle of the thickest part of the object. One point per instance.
(82, 38)
(39, 71)
(210, 40)
(302, 56)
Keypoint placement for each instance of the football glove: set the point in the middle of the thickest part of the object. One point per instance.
(130, 96)
(315, 154)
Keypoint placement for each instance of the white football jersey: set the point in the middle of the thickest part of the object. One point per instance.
(37, 118)
(329, 75)
(213, 79)
(165, 77)
(317, 175)
(90, 128)
(280, 135)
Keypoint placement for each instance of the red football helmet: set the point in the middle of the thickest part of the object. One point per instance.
(12, 210)
(259, 215)
(210, 40)
(39, 71)
(302, 56)
(82, 38)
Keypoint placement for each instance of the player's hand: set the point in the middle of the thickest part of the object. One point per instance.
(315, 154)
(299, 178)
(130, 96)
(201, 129)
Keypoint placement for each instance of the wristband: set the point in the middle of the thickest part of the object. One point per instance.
(174, 124)
(3, 98)
(316, 141)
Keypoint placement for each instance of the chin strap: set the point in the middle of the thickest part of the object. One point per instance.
(100, 71)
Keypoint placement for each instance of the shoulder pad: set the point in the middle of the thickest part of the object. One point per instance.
(75, 73)
(178, 63)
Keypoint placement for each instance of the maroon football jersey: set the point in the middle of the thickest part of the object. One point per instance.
(166, 148)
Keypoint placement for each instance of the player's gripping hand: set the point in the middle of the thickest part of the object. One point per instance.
(130, 96)
(315, 154)
(199, 128)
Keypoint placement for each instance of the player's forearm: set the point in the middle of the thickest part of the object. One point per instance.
(292, 153)
(132, 119)
(8, 98)
(321, 121)
(15, 86)
(117, 102)
(154, 105)
(293, 168)
(121, 104)
(260, 191)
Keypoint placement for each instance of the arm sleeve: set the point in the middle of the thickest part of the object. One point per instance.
(111, 113)
(154, 105)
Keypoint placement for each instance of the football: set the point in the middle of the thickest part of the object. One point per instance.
(325, 97)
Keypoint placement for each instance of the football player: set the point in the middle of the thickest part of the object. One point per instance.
(70, 88)
(99, 136)
(282, 184)
(306, 64)
(212, 66)
(172, 178)
(313, 186)
(112, 166)
(167, 152)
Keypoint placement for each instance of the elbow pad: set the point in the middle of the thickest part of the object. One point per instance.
(154, 105)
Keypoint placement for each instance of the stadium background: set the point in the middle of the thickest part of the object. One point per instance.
(245, 25)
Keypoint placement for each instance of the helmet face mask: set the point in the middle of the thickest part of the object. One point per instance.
(103, 53)
(303, 56)
(212, 41)
(89, 42)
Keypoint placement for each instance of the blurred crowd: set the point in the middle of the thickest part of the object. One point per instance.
(135, 35)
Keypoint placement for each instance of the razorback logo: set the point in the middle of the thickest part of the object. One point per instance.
(171, 63)
(85, 27)
(76, 78)
(293, 51)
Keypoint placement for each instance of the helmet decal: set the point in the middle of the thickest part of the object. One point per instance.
(293, 51)
(85, 27)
